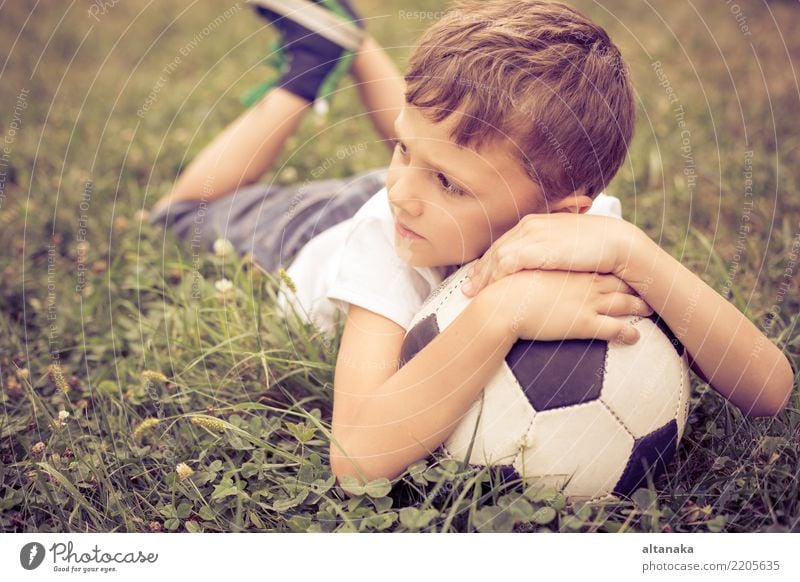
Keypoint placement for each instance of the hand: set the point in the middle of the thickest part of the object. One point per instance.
(559, 241)
(556, 305)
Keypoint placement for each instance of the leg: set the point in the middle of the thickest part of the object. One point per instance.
(381, 87)
(243, 152)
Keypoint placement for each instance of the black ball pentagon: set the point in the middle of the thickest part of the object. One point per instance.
(656, 450)
(556, 374)
(418, 337)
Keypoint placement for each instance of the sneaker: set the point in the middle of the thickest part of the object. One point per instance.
(317, 46)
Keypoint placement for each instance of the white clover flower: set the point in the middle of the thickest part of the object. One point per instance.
(184, 471)
(59, 423)
(224, 289)
(223, 247)
(223, 285)
(63, 415)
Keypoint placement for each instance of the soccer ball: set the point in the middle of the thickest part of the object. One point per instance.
(589, 418)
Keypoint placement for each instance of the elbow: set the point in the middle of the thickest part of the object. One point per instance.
(352, 464)
(341, 463)
(342, 468)
(778, 391)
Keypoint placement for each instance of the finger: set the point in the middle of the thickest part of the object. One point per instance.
(530, 254)
(621, 304)
(489, 258)
(499, 262)
(479, 272)
(519, 231)
(477, 280)
(470, 287)
(613, 329)
(612, 284)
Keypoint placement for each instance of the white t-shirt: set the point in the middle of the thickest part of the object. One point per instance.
(355, 262)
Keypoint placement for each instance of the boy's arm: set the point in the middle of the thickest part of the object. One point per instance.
(384, 418)
(739, 361)
(241, 153)
(732, 354)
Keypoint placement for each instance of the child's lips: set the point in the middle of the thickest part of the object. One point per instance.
(406, 232)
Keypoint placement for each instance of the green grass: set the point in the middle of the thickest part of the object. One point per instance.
(263, 466)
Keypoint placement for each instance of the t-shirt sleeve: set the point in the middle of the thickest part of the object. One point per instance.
(372, 276)
(606, 205)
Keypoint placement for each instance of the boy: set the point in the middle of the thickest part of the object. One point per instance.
(516, 115)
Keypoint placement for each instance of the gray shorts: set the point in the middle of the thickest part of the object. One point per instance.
(272, 222)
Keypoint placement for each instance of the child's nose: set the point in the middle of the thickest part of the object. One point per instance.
(404, 195)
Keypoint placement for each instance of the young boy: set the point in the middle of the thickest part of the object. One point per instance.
(516, 114)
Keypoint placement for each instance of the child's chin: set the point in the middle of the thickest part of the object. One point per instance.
(411, 255)
(415, 261)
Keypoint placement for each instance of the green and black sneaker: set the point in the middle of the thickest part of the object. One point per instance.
(318, 43)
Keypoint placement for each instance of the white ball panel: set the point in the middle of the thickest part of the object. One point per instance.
(439, 297)
(684, 398)
(505, 415)
(584, 442)
(451, 300)
(643, 381)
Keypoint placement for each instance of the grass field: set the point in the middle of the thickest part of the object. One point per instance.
(103, 103)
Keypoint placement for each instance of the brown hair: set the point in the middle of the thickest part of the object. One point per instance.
(539, 73)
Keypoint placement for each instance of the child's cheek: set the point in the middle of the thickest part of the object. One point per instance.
(391, 176)
(476, 242)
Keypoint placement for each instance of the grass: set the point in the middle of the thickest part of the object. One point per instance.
(154, 370)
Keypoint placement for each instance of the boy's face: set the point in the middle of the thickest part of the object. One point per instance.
(457, 200)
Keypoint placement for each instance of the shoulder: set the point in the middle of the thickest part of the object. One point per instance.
(372, 275)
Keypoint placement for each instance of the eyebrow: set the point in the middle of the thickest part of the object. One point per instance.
(460, 183)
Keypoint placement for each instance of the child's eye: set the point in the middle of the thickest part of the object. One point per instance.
(402, 147)
(447, 185)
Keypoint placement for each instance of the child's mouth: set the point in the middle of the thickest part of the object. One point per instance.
(406, 233)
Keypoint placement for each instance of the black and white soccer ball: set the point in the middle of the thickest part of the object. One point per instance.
(589, 418)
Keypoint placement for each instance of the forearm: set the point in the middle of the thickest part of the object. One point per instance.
(738, 360)
(414, 411)
(243, 151)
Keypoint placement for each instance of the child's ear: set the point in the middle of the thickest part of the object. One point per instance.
(576, 203)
